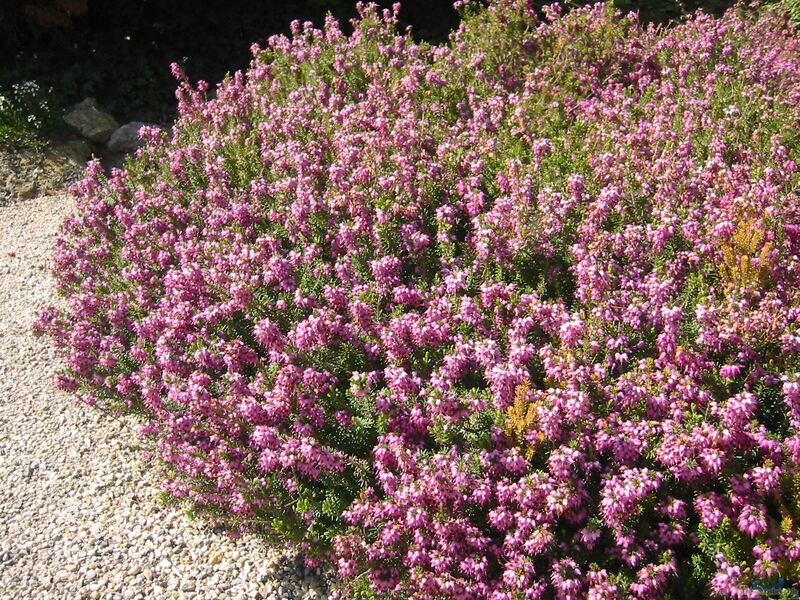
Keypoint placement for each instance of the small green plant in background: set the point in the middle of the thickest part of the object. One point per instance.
(25, 115)
(793, 9)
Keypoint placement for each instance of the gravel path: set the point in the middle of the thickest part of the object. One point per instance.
(78, 510)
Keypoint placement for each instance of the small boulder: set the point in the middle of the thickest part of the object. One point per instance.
(93, 123)
(28, 190)
(76, 152)
(126, 138)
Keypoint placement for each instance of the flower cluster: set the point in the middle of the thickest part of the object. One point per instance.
(515, 316)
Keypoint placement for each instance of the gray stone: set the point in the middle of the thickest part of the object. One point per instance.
(93, 123)
(134, 570)
(126, 138)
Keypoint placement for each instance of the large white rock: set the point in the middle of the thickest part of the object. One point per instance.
(126, 138)
(92, 122)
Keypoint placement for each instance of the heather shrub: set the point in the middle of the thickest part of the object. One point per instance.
(511, 317)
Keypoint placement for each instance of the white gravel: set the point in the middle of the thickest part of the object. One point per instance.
(79, 516)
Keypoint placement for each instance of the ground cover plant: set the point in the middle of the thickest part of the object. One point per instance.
(511, 317)
(25, 116)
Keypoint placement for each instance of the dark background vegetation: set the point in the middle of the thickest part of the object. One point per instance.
(119, 51)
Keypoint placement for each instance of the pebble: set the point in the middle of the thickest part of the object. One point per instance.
(78, 505)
